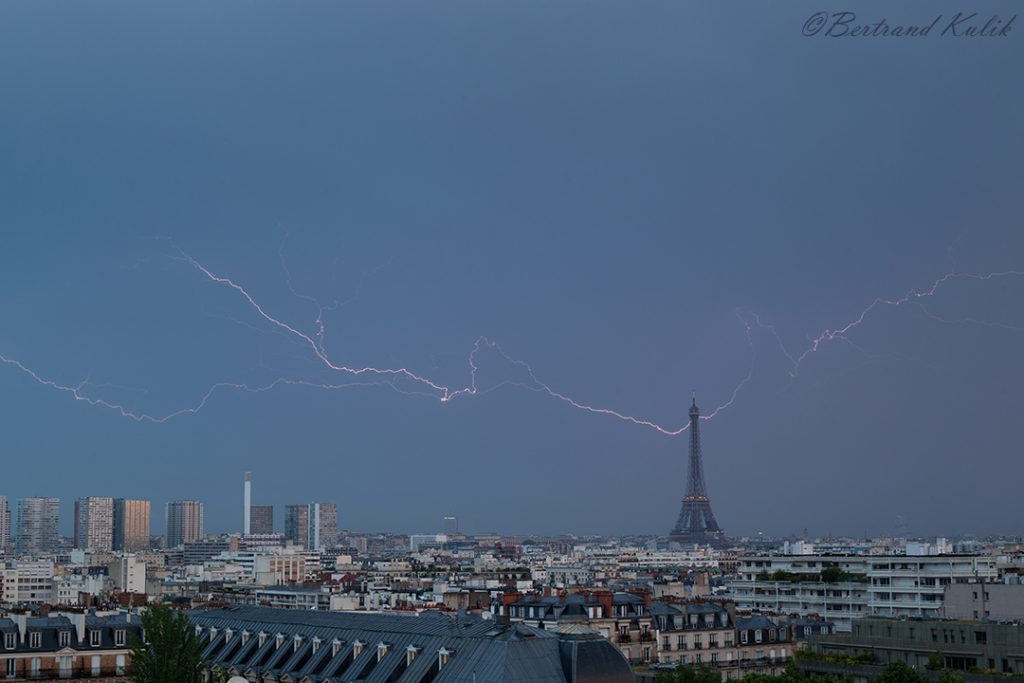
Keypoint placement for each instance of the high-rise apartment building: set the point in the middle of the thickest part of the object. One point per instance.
(131, 525)
(94, 523)
(261, 519)
(5, 526)
(296, 524)
(184, 522)
(451, 525)
(38, 520)
(313, 526)
(323, 526)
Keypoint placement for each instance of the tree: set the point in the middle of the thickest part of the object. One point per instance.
(900, 672)
(688, 674)
(832, 574)
(171, 653)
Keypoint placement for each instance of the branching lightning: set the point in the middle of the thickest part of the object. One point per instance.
(913, 297)
(405, 381)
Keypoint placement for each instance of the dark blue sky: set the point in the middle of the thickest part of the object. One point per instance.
(596, 185)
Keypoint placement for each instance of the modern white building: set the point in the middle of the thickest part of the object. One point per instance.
(860, 585)
(26, 582)
(128, 574)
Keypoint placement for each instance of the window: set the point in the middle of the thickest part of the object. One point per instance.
(11, 667)
(94, 638)
(65, 638)
(442, 657)
(980, 637)
(743, 637)
(120, 665)
(119, 637)
(10, 640)
(35, 639)
(410, 654)
(757, 636)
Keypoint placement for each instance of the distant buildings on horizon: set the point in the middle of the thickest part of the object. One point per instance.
(101, 523)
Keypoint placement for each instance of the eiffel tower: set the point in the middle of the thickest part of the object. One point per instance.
(696, 523)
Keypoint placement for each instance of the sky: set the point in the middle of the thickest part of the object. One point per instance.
(614, 192)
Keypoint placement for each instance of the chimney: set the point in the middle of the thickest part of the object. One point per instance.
(78, 619)
(607, 602)
(247, 503)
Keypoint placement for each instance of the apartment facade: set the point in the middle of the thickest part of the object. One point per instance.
(5, 526)
(960, 644)
(857, 585)
(94, 523)
(296, 524)
(66, 646)
(38, 524)
(261, 520)
(184, 522)
(131, 525)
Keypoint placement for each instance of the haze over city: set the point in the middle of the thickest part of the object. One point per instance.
(580, 192)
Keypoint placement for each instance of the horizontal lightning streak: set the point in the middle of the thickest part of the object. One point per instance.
(414, 384)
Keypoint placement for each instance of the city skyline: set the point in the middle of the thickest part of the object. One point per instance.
(795, 234)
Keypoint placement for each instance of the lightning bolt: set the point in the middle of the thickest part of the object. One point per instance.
(914, 297)
(407, 382)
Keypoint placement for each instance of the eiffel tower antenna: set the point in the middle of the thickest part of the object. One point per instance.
(696, 523)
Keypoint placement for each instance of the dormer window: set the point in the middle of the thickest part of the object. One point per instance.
(245, 637)
(279, 641)
(382, 649)
(261, 638)
(357, 649)
(316, 645)
(757, 636)
(410, 654)
(296, 643)
(10, 640)
(335, 647)
(442, 658)
(119, 637)
(65, 638)
(228, 635)
(35, 639)
(94, 637)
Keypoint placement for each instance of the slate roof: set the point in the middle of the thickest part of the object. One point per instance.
(480, 650)
(49, 629)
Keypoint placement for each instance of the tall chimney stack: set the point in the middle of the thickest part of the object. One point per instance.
(248, 503)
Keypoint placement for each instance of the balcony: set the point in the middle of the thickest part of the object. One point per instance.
(622, 638)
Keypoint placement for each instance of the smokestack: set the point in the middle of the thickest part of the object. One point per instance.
(248, 503)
